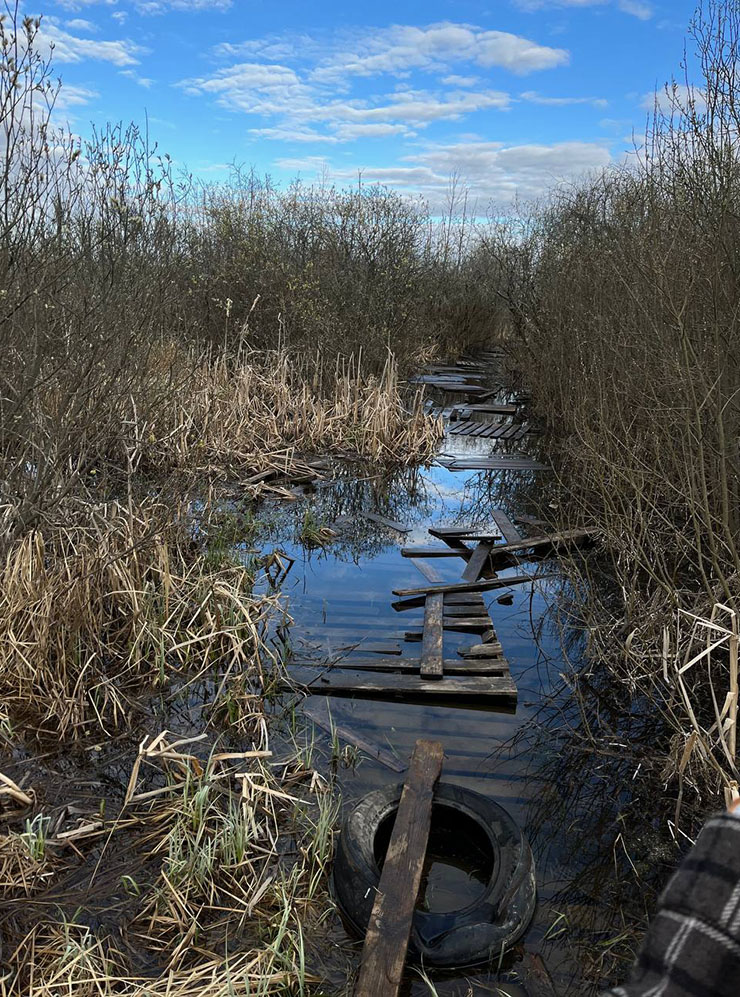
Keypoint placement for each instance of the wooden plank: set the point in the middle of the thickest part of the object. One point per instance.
(476, 563)
(461, 551)
(537, 543)
(410, 666)
(481, 586)
(429, 571)
(346, 733)
(464, 599)
(431, 646)
(358, 682)
(463, 609)
(389, 928)
(459, 534)
(528, 520)
(503, 462)
(508, 531)
(492, 650)
(383, 521)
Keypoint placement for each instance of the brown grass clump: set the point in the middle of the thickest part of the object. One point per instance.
(267, 410)
(90, 613)
(238, 856)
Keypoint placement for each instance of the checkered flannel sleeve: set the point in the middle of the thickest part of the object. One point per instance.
(692, 948)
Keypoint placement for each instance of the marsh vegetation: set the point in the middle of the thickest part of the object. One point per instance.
(172, 352)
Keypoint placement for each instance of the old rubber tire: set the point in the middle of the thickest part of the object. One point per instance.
(474, 934)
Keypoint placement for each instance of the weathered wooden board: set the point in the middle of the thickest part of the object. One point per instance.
(528, 520)
(459, 534)
(383, 521)
(471, 599)
(537, 543)
(489, 408)
(465, 609)
(389, 928)
(508, 531)
(428, 570)
(410, 666)
(481, 586)
(508, 462)
(464, 599)
(431, 645)
(492, 650)
(374, 684)
(461, 551)
(481, 557)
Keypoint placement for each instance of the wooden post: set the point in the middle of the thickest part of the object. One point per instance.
(389, 928)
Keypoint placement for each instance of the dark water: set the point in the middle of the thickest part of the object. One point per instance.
(342, 594)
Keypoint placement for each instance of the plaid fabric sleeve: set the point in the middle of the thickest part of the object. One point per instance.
(692, 948)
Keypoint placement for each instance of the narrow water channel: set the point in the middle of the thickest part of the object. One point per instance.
(341, 594)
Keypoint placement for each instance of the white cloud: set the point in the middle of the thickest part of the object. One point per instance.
(537, 98)
(142, 81)
(493, 171)
(72, 96)
(162, 6)
(461, 81)
(80, 24)
(69, 47)
(400, 48)
(674, 97)
(637, 8)
(75, 5)
(296, 106)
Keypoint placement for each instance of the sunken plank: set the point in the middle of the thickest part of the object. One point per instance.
(359, 682)
(492, 650)
(383, 521)
(409, 666)
(389, 928)
(431, 647)
(460, 551)
(476, 563)
(428, 570)
(503, 462)
(371, 749)
(508, 531)
(482, 586)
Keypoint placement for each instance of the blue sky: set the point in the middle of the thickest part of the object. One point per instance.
(511, 96)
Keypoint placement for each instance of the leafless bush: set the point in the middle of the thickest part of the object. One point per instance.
(624, 294)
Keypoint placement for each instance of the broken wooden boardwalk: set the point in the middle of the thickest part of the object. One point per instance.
(480, 676)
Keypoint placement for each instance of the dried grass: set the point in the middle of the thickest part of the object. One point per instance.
(242, 850)
(127, 600)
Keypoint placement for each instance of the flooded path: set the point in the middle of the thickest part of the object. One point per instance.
(342, 593)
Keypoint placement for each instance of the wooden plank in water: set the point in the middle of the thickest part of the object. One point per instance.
(431, 646)
(429, 571)
(508, 531)
(481, 586)
(492, 650)
(372, 750)
(537, 543)
(464, 599)
(497, 462)
(358, 682)
(458, 534)
(410, 666)
(389, 928)
(383, 521)
(477, 562)
(460, 551)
